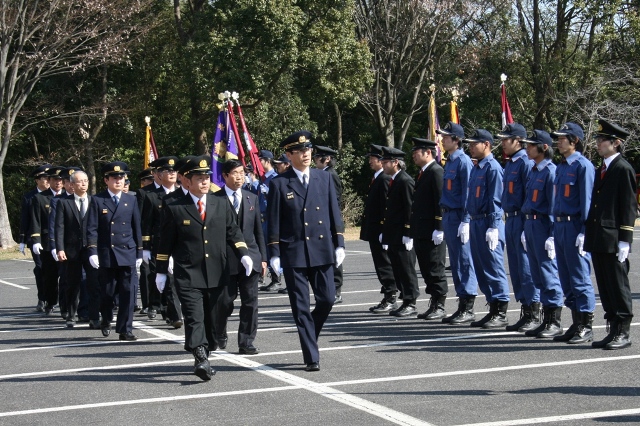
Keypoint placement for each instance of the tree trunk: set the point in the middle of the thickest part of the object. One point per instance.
(338, 125)
(6, 239)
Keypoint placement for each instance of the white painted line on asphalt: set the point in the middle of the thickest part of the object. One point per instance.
(14, 285)
(73, 345)
(566, 417)
(20, 330)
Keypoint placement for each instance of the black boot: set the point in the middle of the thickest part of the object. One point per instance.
(575, 317)
(408, 308)
(552, 327)
(461, 307)
(612, 331)
(525, 318)
(584, 333)
(436, 309)
(499, 318)
(622, 339)
(202, 368)
(493, 309)
(465, 311)
(387, 305)
(535, 320)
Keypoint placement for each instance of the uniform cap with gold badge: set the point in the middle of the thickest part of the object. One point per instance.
(324, 151)
(56, 172)
(41, 171)
(66, 173)
(165, 163)
(374, 151)
(146, 174)
(115, 168)
(298, 140)
(198, 166)
(390, 153)
(609, 130)
(419, 143)
(182, 162)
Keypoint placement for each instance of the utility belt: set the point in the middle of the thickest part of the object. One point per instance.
(447, 209)
(569, 218)
(512, 214)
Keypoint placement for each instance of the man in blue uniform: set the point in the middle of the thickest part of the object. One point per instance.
(537, 237)
(609, 233)
(455, 222)
(305, 238)
(484, 207)
(516, 174)
(573, 188)
(114, 243)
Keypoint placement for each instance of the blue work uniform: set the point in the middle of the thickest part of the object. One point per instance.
(573, 187)
(484, 208)
(516, 174)
(454, 196)
(538, 227)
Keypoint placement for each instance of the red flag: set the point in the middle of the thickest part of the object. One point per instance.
(506, 111)
(234, 129)
(150, 151)
(252, 149)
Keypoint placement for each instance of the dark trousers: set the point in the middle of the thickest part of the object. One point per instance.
(248, 289)
(612, 278)
(62, 286)
(37, 273)
(49, 278)
(404, 271)
(198, 308)
(112, 280)
(337, 279)
(431, 261)
(309, 323)
(143, 284)
(74, 283)
(170, 300)
(155, 297)
(382, 265)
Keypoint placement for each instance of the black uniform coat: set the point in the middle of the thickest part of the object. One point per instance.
(70, 229)
(150, 215)
(113, 232)
(374, 207)
(336, 181)
(612, 213)
(397, 218)
(303, 230)
(426, 215)
(198, 248)
(25, 217)
(39, 222)
(249, 221)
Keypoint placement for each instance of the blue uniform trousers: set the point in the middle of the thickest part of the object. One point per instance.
(574, 270)
(112, 280)
(489, 265)
(523, 289)
(462, 272)
(544, 271)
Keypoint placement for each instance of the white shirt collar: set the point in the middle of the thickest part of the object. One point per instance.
(203, 199)
(168, 190)
(299, 174)
(427, 165)
(608, 161)
(111, 194)
(376, 174)
(396, 174)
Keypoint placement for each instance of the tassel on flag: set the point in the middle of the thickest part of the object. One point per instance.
(150, 151)
(252, 149)
(435, 125)
(506, 111)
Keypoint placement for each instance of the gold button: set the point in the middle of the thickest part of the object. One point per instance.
(321, 236)
(124, 223)
(320, 222)
(204, 227)
(205, 241)
(113, 223)
(112, 245)
(112, 234)
(305, 209)
(317, 208)
(206, 255)
(307, 238)
(306, 224)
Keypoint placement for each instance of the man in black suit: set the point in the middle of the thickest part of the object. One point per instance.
(609, 233)
(146, 185)
(196, 230)
(371, 228)
(246, 210)
(114, 242)
(396, 230)
(42, 184)
(325, 159)
(426, 226)
(306, 239)
(71, 246)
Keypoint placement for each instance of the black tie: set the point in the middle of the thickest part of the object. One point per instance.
(115, 199)
(82, 207)
(304, 181)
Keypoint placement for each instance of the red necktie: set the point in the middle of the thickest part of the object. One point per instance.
(203, 214)
(390, 182)
(419, 175)
(603, 170)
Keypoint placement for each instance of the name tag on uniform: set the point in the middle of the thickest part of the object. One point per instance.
(186, 222)
(105, 211)
(289, 195)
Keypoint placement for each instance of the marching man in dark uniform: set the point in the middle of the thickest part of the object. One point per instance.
(397, 228)
(196, 229)
(426, 227)
(306, 239)
(372, 220)
(609, 233)
(114, 242)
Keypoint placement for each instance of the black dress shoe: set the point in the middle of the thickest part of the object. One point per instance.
(248, 350)
(106, 329)
(71, 323)
(201, 366)
(177, 324)
(143, 311)
(222, 342)
(136, 308)
(94, 325)
(283, 291)
(152, 313)
(312, 366)
(128, 336)
(273, 287)
(338, 299)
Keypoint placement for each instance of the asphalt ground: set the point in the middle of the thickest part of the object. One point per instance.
(375, 370)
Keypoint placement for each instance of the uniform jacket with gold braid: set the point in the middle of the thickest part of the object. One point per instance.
(39, 221)
(199, 249)
(304, 224)
(374, 205)
(426, 214)
(397, 217)
(613, 208)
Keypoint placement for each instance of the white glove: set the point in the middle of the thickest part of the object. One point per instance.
(339, 256)
(623, 251)
(463, 232)
(93, 260)
(247, 180)
(550, 247)
(170, 268)
(161, 281)
(264, 189)
(385, 247)
(437, 237)
(380, 238)
(408, 243)
(146, 255)
(22, 249)
(54, 254)
(275, 265)
(247, 263)
(523, 240)
(138, 263)
(492, 238)
(36, 248)
(580, 244)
